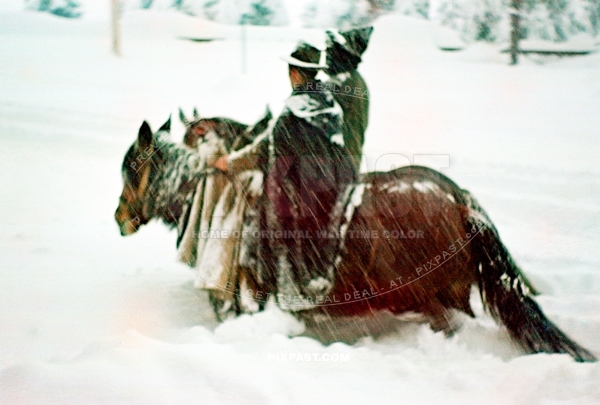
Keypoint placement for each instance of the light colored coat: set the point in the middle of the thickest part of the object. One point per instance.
(213, 235)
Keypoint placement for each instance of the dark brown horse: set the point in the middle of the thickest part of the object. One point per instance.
(405, 240)
(233, 133)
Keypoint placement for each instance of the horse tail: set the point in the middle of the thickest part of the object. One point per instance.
(506, 296)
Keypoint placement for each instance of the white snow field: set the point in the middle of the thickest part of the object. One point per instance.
(89, 317)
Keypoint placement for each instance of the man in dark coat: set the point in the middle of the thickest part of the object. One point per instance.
(343, 54)
(306, 166)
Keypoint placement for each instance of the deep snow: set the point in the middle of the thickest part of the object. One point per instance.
(87, 316)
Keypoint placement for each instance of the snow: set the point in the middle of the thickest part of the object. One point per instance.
(425, 186)
(87, 316)
(577, 43)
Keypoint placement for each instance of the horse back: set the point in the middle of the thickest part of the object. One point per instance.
(406, 246)
(412, 174)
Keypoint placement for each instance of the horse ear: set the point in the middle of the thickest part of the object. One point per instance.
(196, 115)
(144, 136)
(166, 126)
(268, 114)
(182, 117)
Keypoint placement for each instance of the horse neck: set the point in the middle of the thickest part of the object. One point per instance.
(178, 171)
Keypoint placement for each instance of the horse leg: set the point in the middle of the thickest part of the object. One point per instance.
(250, 297)
(455, 297)
(227, 304)
(458, 294)
(222, 308)
(440, 311)
(440, 318)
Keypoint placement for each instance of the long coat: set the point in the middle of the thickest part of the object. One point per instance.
(352, 94)
(343, 55)
(306, 167)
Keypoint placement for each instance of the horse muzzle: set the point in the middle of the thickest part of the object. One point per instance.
(127, 224)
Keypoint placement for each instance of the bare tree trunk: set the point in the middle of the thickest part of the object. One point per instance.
(116, 40)
(514, 35)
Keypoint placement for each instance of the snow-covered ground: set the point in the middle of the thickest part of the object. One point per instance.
(89, 317)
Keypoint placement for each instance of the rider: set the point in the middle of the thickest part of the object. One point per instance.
(306, 166)
(343, 54)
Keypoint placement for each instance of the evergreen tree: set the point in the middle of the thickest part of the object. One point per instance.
(65, 8)
(488, 20)
(417, 8)
(45, 5)
(557, 20)
(594, 8)
(146, 4)
(483, 20)
(183, 6)
(69, 10)
(260, 14)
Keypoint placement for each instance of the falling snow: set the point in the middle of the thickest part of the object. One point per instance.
(87, 316)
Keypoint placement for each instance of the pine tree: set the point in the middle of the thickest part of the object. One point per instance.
(146, 4)
(594, 9)
(557, 20)
(45, 5)
(183, 6)
(69, 10)
(488, 20)
(65, 8)
(260, 14)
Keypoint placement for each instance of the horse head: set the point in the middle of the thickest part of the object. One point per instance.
(139, 167)
(200, 132)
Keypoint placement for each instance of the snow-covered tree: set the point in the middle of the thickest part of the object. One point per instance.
(185, 6)
(358, 13)
(61, 8)
(260, 14)
(253, 12)
(343, 14)
(594, 7)
(483, 20)
(557, 20)
(488, 20)
(69, 9)
(416, 8)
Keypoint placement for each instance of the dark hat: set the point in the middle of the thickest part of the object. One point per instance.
(353, 41)
(305, 56)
